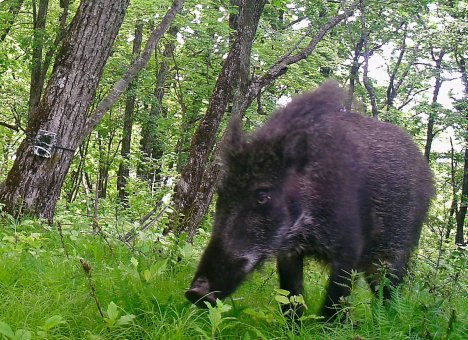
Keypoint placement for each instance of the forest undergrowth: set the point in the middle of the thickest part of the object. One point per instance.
(66, 282)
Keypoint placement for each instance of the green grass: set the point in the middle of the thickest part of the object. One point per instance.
(46, 294)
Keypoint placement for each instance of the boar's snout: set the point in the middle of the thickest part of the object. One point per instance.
(200, 292)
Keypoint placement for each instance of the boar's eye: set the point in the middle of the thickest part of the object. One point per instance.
(263, 197)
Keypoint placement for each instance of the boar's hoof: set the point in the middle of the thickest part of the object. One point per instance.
(200, 292)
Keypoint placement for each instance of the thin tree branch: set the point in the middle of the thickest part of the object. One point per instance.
(367, 82)
(9, 126)
(280, 67)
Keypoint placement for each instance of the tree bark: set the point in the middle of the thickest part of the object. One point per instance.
(461, 215)
(430, 134)
(353, 74)
(393, 85)
(37, 80)
(124, 170)
(34, 182)
(150, 142)
(365, 77)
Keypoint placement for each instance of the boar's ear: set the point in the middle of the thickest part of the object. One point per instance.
(295, 150)
(234, 135)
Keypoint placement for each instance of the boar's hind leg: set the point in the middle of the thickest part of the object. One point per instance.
(387, 272)
(290, 270)
(339, 287)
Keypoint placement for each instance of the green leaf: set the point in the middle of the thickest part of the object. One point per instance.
(311, 317)
(112, 311)
(41, 334)
(6, 330)
(282, 299)
(277, 3)
(22, 334)
(283, 292)
(52, 322)
(299, 299)
(222, 307)
(147, 275)
(125, 319)
(186, 251)
(159, 267)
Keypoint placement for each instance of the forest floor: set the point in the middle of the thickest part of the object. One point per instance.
(75, 284)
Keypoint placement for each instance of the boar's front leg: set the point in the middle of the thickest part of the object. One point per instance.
(339, 287)
(290, 270)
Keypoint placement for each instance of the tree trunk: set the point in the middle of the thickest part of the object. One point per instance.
(365, 77)
(430, 134)
(393, 86)
(124, 170)
(34, 182)
(37, 79)
(460, 235)
(150, 142)
(353, 74)
(461, 216)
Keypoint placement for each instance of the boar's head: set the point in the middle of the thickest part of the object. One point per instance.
(259, 202)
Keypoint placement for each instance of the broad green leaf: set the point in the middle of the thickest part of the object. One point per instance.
(125, 319)
(186, 251)
(282, 299)
(147, 275)
(52, 322)
(6, 330)
(283, 292)
(112, 311)
(22, 334)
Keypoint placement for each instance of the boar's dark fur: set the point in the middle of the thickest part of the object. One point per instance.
(315, 180)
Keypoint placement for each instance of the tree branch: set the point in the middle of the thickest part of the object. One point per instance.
(280, 67)
(367, 82)
(9, 126)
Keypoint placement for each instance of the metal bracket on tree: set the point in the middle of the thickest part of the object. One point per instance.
(44, 144)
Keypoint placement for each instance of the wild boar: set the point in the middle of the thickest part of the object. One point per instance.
(317, 181)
